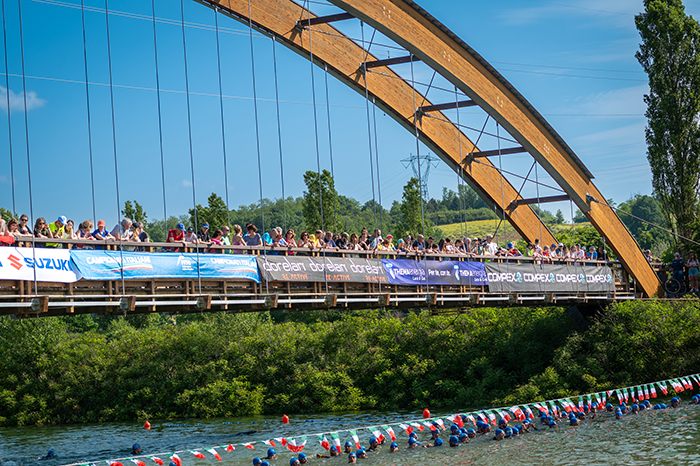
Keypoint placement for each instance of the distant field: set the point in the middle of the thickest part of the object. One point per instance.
(481, 228)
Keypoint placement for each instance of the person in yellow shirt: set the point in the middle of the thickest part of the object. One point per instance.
(316, 241)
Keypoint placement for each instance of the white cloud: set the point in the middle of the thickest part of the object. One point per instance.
(17, 100)
(186, 184)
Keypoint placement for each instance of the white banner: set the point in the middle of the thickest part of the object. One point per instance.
(51, 265)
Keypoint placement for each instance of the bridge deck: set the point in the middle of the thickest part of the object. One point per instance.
(140, 296)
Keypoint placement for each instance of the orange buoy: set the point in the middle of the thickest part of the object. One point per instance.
(285, 419)
(147, 425)
(426, 413)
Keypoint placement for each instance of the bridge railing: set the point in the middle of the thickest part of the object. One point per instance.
(622, 279)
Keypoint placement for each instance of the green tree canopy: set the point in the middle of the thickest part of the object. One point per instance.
(321, 202)
(669, 55)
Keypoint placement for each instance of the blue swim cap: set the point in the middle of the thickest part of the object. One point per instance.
(454, 439)
(271, 452)
(657, 406)
(412, 434)
(499, 431)
(348, 444)
(172, 463)
(508, 431)
(293, 461)
(609, 405)
(134, 447)
(256, 461)
(526, 421)
(352, 455)
(481, 424)
(663, 406)
(454, 427)
(519, 427)
(372, 440)
(551, 423)
(413, 441)
(501, 421)
(361, 451)
(462, 436)
(573, 421)
(264, 463)
(302, 456)
(438, 442)
(394, 445)
(52, 453)
(333, 448)
(471, 431)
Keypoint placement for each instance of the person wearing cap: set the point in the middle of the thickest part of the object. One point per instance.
(463, 438)
(256, 461)
(332, 451)
(101, 233)
(508, 431)
(352, 458)
(361, 454)
(56, 229)
(347, 448)
(302, 458)
(271, 454)
(373, 444)
(136, 449)
(573, 421)
(203, 234)
(471, 433)
(176, 235)
(49, 455)
(293, 461)
(499, 434)
(552, 424)
(437, 443)
(434, 434)
(190, 236)
(264, 463)
(502, 423)
(413, 442)
(609, 407)
(675, 401)
(394, 447)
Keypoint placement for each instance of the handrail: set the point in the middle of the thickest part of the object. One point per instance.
(287, 250)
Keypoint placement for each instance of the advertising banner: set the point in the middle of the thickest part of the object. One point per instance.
(412, 272)
(109, 265)
(544, 278)
(320, 269)
(50, 265)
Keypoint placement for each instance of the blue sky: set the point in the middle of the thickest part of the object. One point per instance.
(573, 60)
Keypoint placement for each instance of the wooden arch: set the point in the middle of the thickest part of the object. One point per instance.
(427, 39)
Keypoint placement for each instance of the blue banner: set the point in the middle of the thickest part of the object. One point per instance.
(107, 265)
(412, 272)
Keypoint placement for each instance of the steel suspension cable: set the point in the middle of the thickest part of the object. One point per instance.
(369, 126)
(330, 150)
(189, 129)
(318, 150)
(160, 118)
(221, 108)
(376, 157)
(257, 129)
(9, 119)
(89, 123)
(26, 135)
(114, 147)
(279, 131)
(503, 205)
(460, 180)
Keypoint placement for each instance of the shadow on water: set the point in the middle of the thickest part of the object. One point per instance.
(668, 437)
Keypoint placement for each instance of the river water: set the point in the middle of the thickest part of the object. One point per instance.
(661, 437)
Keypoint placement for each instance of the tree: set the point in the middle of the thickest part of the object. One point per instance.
(669, 55)
(645, 208)
(7, 215)
(579, 217)
(321, 202)
(135, 212)
(215, 214)
(559, 217)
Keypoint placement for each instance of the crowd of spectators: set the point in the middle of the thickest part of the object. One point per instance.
(129, 231)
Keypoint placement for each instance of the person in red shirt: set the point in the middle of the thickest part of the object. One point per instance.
(176, 235)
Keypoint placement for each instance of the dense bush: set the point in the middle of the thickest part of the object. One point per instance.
(80, 369)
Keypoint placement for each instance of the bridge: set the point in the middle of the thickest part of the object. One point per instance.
(477, 85)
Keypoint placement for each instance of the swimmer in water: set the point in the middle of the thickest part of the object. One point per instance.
(136, 449)
(438, 443)
(352, 458)
(454, 441)
(256, 461)
(471, 433)
(412, 442)
(271, 454)
(302, 458)
(675, 401)
(499, 435)
(49, 455)
(373, 444)
(348, 447)
(293, 461)
(463, 438)
(361, 454)
(394, 447)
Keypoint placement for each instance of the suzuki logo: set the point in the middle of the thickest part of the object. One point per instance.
(15, 261)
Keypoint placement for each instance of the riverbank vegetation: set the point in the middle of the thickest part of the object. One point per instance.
(84, 369)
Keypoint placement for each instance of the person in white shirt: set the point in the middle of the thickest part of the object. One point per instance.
(491, 246)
